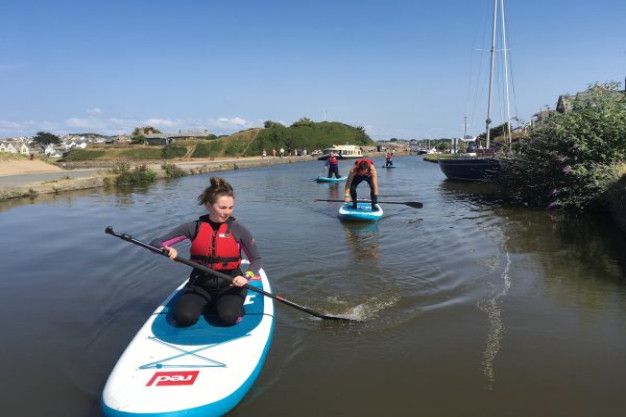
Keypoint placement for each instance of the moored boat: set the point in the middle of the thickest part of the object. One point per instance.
(342, 152)
(483, 165)
(471, 168)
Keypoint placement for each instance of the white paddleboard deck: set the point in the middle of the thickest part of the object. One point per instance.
(201, 370)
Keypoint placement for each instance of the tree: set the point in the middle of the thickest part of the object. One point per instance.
(147, 130)
(46, 138)
(305, 121)
(268, 124)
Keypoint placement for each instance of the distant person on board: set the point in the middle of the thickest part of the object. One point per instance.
(388, 159)
(217, 240)
(333, 165)
(363, 170)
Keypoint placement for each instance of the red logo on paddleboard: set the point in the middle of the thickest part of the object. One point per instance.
(173, 378)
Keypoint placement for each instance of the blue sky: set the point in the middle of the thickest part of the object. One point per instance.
(404, 69)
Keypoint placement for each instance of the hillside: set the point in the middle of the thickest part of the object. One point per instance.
(303, 134)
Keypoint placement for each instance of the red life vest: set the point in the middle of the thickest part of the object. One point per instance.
(332, 160)
(215, 249)
(369, 162)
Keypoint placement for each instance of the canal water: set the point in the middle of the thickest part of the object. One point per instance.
(467, 308)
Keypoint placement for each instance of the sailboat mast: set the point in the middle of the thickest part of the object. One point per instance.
(505, 47)
(491, 67)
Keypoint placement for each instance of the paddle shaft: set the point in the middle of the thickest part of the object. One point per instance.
(414, 204)
(109, 230)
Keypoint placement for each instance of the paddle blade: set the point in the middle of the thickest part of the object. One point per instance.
(414, 204)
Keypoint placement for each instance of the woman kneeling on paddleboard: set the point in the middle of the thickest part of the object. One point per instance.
(216, 242)
(363, 170)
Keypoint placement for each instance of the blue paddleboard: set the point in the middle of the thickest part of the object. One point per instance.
(328, 179)
(363, 212)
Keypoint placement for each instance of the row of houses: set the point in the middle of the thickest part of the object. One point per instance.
(167, 138)
(27, 146)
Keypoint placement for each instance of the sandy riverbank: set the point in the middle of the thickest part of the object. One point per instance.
(25, 166)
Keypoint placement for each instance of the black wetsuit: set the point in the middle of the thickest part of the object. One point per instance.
(205, 293)
(356, 181)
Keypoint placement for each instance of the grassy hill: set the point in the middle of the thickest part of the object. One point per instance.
(309, 135)
(303, 134)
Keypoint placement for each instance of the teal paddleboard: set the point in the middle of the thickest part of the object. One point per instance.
(362, 212)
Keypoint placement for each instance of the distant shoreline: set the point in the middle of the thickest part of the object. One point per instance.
(22, 178)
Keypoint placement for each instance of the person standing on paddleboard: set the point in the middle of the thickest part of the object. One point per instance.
(333, 165)
(217, 240)
(388, 159)
(363, 170)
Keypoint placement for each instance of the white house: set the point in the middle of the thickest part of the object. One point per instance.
(51, 150)
(9, 147)
(23, 148)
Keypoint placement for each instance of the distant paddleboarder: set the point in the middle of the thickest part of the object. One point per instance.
(388, 159)
(333, 165)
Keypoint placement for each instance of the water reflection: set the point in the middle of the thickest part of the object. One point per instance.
(333, 191)
(492, 307)
(582, 261)
(363, 240)
(51, 198)
(470, 192)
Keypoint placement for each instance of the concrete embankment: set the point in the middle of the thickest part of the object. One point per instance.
(83, 176)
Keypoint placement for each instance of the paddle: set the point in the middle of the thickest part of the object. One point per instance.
(319, 176)
(109, 230)
(414, 204)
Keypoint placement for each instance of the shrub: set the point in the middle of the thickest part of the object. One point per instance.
(568, 161)
(173, 151)
(140, 175)
(173, 170)
(120, 167)
(205, 150)
(234, 148)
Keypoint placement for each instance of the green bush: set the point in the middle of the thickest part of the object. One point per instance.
(121, 167)
(206, 150)
(568, 160)
(234, 148)
(173, 151)
(173, 171)
(139, 175)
